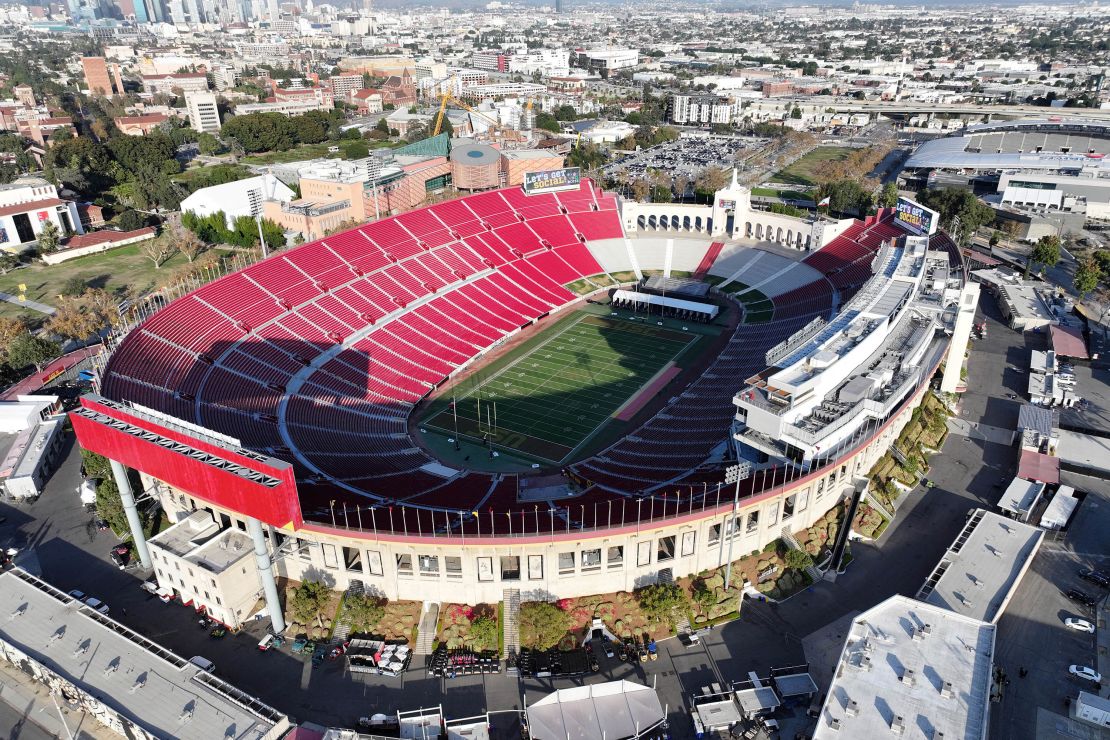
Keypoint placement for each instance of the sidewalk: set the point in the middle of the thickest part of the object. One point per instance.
(32, 700)
(1102, 645)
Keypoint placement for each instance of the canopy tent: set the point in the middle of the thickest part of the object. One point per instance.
(635, 298)
(606, 711)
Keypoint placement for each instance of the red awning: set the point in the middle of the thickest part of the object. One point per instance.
(1039, 467)
(1068, 342)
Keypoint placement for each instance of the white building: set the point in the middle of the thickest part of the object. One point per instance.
(698, 109)
(134, 687)
(547, 62)
(204, 114)
(26, 205)
(502, 90)
(605, 61)
(911, 669)
(208, 566)
(239, 198)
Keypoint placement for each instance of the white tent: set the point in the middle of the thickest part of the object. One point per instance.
(1059, 508)
(605, 711)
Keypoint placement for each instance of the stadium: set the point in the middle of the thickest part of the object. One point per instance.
(542, 392)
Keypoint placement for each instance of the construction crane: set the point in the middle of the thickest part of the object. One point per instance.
(449, 97)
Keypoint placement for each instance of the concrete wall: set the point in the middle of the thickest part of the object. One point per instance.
(696, 547)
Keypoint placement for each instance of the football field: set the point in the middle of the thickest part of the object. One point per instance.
(555, 395)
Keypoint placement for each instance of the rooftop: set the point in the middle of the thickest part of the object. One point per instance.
(982, 567)
(617, 709)
(1020, 496)
(158, 690)
(913, 666)
(222, 551)
(183, 537)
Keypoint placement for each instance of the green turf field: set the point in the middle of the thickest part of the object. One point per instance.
(802, 172)
(558, 393)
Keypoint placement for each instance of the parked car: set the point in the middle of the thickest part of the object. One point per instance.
(121, 555)
(203, 663)
(97, 605)
(1082, 671)
(1094, 576)
(1079, 625)
(1080, 596)
(689, 638)
(266, 642)
(79, 595)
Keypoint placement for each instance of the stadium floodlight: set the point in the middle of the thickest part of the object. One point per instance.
(734, 474)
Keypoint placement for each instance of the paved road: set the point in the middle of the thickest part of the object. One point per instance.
(72, 554)
(14, 725)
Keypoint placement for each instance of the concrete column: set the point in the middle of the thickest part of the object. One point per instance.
(119, 472)
(266, 573)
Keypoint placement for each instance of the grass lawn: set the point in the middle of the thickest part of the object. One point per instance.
(783, 194)
(555, 395)
(310, 151)
(302, 151)
(802, 171)
(123, 271)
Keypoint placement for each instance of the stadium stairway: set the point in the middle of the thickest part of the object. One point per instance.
(427, 634)
(708, 260)
(511, 627)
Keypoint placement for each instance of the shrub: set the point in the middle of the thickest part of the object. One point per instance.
(542, 624)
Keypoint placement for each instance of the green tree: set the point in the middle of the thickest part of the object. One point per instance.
(50, 237)
(888, 196)
(262, 132)
(363, 612)
(957, 203)
(1046, 253)
(542, 625)
(797, 559)
(382, 125)
(308, 600)
(29, 349)
(355, 149)
(703, 596)
(130, 220)
(483, 633)
(1088, 274)
(566, 113)
(73, 286)
(845, 196)
(662, 602)
(109, 506)
(547, 122)
(208, 144)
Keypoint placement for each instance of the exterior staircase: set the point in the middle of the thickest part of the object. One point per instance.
(511, 627)
(427, 633)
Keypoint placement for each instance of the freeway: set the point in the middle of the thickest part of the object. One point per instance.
(912, 107)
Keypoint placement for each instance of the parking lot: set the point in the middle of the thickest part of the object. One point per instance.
(687, 156)
(1032, 634)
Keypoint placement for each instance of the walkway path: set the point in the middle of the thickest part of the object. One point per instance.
(33, 305)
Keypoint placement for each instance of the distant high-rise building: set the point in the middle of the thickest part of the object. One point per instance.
(97, 78)
(204, 115)
(558, 6)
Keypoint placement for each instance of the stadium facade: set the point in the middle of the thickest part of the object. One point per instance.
(278, 397)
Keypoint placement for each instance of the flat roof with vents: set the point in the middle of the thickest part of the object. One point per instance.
(982, 568)
(134, 677)
(910, 670)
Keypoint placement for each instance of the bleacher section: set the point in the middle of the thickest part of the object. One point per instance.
(336, 340)
(319, 354)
